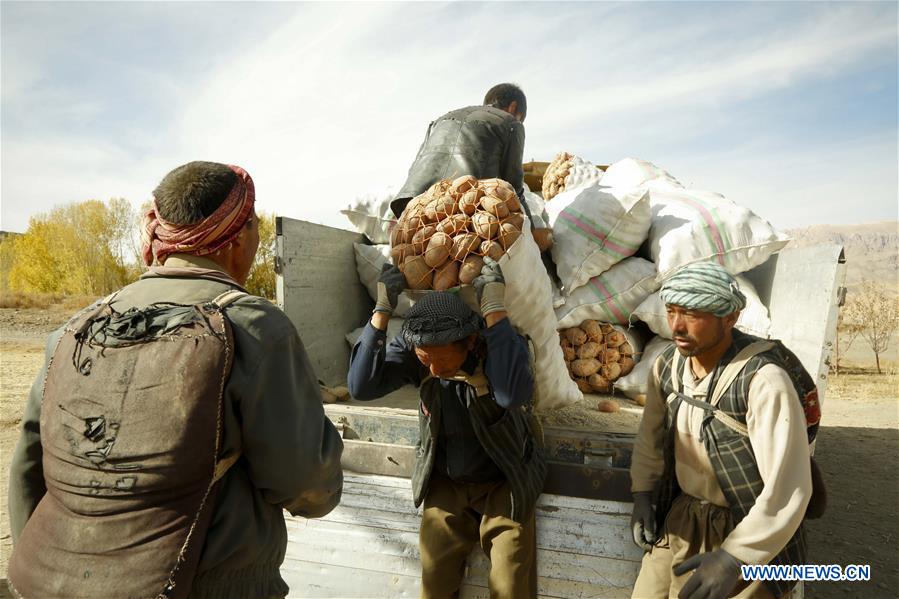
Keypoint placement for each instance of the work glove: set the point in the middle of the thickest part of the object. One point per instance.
(490, 287)
(643, 521)
(717, 573)
(391, 284)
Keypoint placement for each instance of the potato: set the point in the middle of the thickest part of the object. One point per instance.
(589, 349)
(431, 210)
(599, 384)
(583, 385)
(496, 183)
(445, 206)
(585, 367)
(495, 206)
(513, 203)
(640, 399)
(438, 250)
(515, 218)
(575, 336)
(570, 353)
(611, 371)
(418, 273)
(464, 244)
(422, 237)
(608, 405)
(626, 364)
(471, 268)
(462, 185)
(446, 276)
(453, 225)
(485, 224)
(508, 235)
(492, 249)
(544, 239)
(610, 355)
(594, 332)
(399, 253)
(615, 338)
(470, 201)
(397, 235)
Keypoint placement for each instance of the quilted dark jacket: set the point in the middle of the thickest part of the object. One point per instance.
(481, 141)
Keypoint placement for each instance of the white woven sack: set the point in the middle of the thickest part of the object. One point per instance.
(393, 329)
(753, 319)
(369, 260)
(371, 216)
(582, 173)
(633, 172)
(636, 382)
(700, 226)
(612, 296)
(529, 303)
(595, 228)
(537, 207)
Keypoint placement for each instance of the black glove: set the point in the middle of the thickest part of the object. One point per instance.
(717, 573)
(643, 521)
(490, 286)
(391, 284)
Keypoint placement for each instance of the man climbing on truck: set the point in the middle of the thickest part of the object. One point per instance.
(479, 466)
(173, 422)
(720, 471)
(483, 141)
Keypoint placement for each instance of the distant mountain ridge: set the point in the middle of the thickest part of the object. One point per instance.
(872, 249)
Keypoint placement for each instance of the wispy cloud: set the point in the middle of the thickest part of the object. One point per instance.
(324, 102)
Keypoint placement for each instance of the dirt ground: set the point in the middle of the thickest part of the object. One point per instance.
(857, 448)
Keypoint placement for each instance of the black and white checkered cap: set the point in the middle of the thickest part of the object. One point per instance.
(440, 318)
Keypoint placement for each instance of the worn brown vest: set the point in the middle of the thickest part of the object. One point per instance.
(131, 426)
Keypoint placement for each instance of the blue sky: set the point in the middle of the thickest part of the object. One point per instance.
(787, 108)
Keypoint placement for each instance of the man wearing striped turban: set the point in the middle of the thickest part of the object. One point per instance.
(720, 470)
(189, 415)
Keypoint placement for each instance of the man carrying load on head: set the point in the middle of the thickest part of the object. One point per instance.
(479, 467)
(720, 470)
(483, 141)
(173, 422)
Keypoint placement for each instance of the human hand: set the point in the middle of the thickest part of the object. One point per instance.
(643, 521)
(490, 286)
(717, 573)
(390, 284)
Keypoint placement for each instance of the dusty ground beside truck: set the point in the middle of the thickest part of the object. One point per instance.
(857, 447)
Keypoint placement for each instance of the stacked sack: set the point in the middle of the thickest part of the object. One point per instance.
(568, 171)
(618, 235)
(597, 354)
(441, 237)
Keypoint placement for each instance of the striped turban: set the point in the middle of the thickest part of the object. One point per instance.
(160, 237)
(440, 318)
(704, 287)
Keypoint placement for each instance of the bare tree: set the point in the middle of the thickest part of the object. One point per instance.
(847, 332)
(876, 311)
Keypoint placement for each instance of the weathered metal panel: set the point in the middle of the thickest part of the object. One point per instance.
(368, 546)
(319, 289)
(801, 287)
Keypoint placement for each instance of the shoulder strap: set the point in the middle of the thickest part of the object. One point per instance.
(733, 369)
(229, 297)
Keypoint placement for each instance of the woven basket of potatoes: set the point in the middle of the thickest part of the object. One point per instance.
(441, 238)
(596, 355)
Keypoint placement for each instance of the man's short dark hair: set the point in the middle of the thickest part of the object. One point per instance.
(500, 96)
(193, 191)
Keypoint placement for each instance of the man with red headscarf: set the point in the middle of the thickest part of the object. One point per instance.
(173, 421)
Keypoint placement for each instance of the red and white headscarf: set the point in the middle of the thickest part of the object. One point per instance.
(159, 238)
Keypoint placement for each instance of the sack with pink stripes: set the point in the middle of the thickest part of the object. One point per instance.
(611, 296)
(691, 225)
(593, 229)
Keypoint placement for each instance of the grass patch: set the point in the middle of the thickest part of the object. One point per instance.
(19, 300)
(864, 384)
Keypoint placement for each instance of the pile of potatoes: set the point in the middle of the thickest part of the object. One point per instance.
(442, 236)
(555, 175)
(596, 355)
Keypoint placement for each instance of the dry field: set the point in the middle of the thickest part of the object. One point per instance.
(857, 448)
